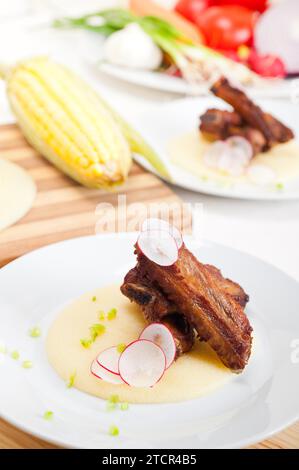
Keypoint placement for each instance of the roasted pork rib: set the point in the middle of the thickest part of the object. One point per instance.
(247, 120)
(191, 296)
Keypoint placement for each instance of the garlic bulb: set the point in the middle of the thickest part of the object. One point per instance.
(132, 47)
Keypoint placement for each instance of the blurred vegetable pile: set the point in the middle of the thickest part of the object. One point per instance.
(135, 41)
(197, 35)
(246, 31)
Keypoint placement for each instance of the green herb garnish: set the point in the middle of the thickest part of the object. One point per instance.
(112, 314)
(111, 406)
(101, 315)
(15, 355)
(3, 348)
(124, 406)
(279, 186)
(35, 332)
(71, 381)
(48, 415)
(114, 399)
(121, 347)
(86, 343)
(113, 431)
(94, 298)
(27, 364)
(96, 330)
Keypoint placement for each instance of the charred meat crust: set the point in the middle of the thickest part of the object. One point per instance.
(215, 315)
(158, 302)
(247, 120)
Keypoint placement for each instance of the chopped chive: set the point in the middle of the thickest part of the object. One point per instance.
(124, 406)
(113, 399)
(94, 298)
(96, 330)
(111, 406)
(15, 355)
(3, 348)
(27, 364)
(48, 415)
(101, 315)
(121, 347)
(71, 381)
(279, 186)
(112, 314)
(35, 332)
(86, 343)
(113, 431)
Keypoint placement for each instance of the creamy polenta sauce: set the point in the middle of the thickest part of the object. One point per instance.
(194, 374)
(187, 151)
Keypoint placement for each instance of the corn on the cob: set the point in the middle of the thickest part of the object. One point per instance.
(61, 119)
(135, 140)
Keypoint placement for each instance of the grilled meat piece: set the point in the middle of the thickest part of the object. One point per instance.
(217, 124)
(272, 129)
(228, 287)
(195, 291)
(156, 307)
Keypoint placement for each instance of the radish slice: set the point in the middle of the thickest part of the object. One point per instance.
(142, 363)
(159, 246)
(160, 224)
(109, 359)
(162, 336)
(101, 373)
(241, 147)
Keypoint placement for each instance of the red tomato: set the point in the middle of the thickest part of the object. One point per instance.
(191, 9)
(227, 27)
(255, 5)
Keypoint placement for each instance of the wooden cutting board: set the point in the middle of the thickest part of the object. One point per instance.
(63, 210)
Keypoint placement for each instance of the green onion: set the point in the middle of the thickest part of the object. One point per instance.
(111, 406)
(35, 332)
(94, 298)
(48, 415)
(86, 343)
(96, 330)
(124, 406)
(15, 355)
(197, 63)
(113, 431)
(111, 315)
(121, 347)
(101, 315)
(114, 399)
(27, 364)
(71, 381)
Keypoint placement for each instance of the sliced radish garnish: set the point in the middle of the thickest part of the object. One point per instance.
(161, 335)
(160, 224)
(241, 147)
(159, 246)
(109, 359)
(142, 363)
(101, 373)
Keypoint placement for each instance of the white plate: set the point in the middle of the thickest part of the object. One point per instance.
(163, 82)
(164, 122)
(90, 47)
(252, 406)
